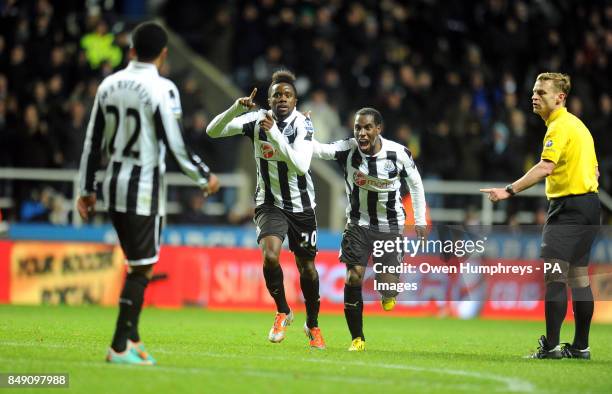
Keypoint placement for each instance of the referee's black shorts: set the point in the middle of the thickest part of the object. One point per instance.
(139, 236)
(571, 227)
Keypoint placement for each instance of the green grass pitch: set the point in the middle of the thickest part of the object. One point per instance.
(200, 351)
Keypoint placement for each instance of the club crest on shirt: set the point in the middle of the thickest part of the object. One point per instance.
(549, 143)
(288, 130)
(267, 150)
(389, 166)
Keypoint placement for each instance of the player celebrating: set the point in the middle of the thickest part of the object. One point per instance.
(374, 170)
(282, 142)
(135, 119)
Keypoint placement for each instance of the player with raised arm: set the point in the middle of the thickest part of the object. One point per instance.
(136, 118)
(374, 170)
(284, 197)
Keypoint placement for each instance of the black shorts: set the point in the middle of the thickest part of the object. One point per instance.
(300, 227)
(358, 245)
(571, 227)
(139, 236)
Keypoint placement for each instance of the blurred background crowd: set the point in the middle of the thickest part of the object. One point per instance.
(453, 79)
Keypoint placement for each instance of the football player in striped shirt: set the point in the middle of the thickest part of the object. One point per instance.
(284, 197)
(374, 171)
(135, 119)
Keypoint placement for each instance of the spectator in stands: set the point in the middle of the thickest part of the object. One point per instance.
(324, 116)
(99, 46)
(18, 69)
(72, 135)
(35, 147)
(413, 46)
(500, 160)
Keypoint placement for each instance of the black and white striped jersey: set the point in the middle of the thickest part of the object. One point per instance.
(282, 155)
(373, 183)
(136, 117)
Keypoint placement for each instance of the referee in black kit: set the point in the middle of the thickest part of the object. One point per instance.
(136, 118)
(569, 164)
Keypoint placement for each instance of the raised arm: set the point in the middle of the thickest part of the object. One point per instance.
(229, 122)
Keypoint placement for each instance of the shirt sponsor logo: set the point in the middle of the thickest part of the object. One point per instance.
(267, 150)
(359, 178)
(370, 183)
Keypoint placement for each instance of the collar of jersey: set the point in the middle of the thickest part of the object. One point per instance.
(555, 115)
(142, 66)
(289, 118)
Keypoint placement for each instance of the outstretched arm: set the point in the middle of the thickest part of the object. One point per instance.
(229, 122)
(324, 151)
(537, 173)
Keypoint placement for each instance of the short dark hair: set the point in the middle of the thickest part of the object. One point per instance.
(283, 76)
(378, 120)
(148, 40)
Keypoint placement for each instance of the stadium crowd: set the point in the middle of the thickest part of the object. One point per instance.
(52, 58)
(453, 82)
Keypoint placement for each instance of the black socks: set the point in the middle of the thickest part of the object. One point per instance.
(353, 310)
(274, 283)
(310, 290)
(555, 308)
(130, 305)
(583, 305)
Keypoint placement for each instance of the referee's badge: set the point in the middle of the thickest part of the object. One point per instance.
(549, 143)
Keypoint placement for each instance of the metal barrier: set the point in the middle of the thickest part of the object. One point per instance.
(335, 206)
(237, 180)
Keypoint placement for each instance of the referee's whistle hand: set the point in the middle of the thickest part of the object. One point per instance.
(86, 205)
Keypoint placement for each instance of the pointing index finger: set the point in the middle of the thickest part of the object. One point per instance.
(486, 190)
(253, 93)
